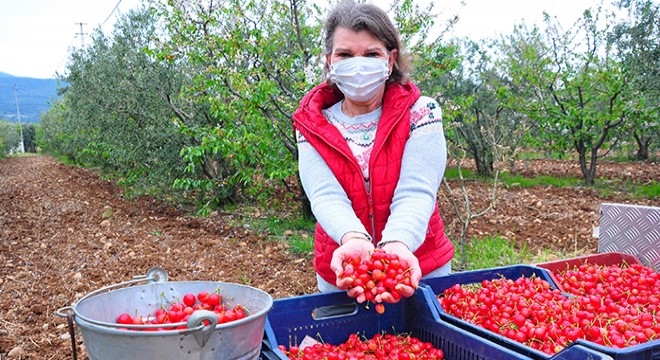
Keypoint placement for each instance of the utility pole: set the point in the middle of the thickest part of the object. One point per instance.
(21, 147)
(82, 34)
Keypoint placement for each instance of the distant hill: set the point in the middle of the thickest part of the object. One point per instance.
(35, 96)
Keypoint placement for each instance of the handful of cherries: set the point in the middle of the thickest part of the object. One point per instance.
(380, 277)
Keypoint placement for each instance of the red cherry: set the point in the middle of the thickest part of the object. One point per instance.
(203, 296)
(124, 319)
(189, 299)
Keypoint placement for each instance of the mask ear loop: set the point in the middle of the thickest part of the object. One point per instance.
(327, 73)
(394, 65)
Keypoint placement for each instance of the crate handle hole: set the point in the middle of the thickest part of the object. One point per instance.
(333, 311)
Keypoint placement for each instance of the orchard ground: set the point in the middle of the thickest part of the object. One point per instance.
(64, 232)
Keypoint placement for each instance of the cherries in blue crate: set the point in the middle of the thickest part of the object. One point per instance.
(378, 347)
(610, 306)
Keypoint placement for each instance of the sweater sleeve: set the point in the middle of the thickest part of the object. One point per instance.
(329, 201)
(423, 165)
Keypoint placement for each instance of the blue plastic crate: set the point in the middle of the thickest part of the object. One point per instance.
(437, 285)
(266, 352)
(579, 352)
(291, 319)
(646, 351)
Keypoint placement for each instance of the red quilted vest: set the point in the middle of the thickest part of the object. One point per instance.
(371, 202)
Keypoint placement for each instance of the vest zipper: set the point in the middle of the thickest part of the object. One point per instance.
(370, 202)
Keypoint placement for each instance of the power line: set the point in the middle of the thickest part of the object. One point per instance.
(112, 12)
(65, 55)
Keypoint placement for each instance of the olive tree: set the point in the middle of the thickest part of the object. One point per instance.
(637, 40)
(114, 111)
(571, 84)
(9, 137)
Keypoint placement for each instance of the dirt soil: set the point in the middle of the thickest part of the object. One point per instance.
(64, 232)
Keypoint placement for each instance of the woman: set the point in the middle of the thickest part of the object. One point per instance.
(372, 153)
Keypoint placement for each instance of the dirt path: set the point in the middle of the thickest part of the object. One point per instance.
(65, 233)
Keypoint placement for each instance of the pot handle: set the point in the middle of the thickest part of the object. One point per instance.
(64, 311)
(153, 275)
(208, 320)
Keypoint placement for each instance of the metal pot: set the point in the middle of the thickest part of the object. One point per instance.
(95, 315)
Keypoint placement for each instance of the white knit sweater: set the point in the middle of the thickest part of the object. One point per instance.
(422, 169)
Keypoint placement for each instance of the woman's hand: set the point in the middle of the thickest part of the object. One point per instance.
(404, 254)
(356, 246)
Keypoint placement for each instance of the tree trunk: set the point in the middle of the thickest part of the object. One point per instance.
(305, 204)
(307, 209)
(484, 164)
(642, 147)
(588, 173)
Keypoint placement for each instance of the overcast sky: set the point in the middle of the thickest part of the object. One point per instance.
(37, 35)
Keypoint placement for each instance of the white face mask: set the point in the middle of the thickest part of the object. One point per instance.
(360, 78)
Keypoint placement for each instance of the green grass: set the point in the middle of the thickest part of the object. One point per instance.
(532, 155)
(605, 187)
(495, 251)
(302, 245)
(629, 190)
(517, 180)
(489, 252)
(650, 191)
(25, 154)
(278, 226)
(296, 231)
(451, 173)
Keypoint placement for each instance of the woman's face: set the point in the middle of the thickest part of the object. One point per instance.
(348, 43)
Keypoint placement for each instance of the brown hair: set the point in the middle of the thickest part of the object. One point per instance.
(357, 17)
